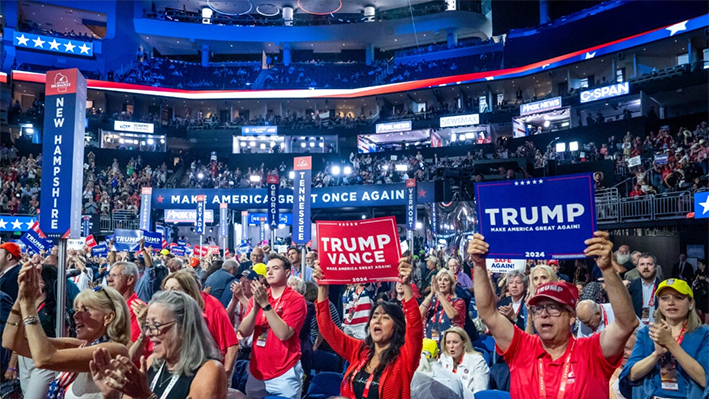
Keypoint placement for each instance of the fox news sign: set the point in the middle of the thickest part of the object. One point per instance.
(618, 89)
(540, 106)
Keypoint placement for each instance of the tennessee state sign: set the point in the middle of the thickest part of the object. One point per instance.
(539, 218)
(359, 251)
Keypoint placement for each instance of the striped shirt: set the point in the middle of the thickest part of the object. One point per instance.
(356, 312)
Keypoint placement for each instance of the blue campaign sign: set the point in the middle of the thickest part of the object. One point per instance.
(200, 221)
(63, 154)
(701, 205)
(375, 195)
(302, 225)
(152, 239)
(178, 251)
(16, 223)
(127, 240)
(35, 242)
(100, 250)
(181, 243)
(540, 218)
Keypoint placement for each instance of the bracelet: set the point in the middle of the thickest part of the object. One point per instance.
(152, 396)
(16, 324)
(11, 369)
(30, 320)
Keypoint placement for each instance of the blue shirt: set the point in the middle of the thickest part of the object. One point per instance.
(144, 286)
(219, 282)
(694, 343)
(305, 274)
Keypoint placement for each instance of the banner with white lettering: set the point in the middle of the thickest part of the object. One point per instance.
(301, 199)
(36, 242)
(152, 240)
(272, 187)
(410, 207)
(223, 220)
(63, 153)
(100, 250)
(129, 240)
(538, 218)
(145, 195)
(178, 251)
(505, 265)
(359, 251)
(200, 222)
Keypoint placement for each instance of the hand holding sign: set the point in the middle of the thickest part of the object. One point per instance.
(478, 249)
(600, 247)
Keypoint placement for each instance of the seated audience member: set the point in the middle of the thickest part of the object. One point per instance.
(383, 364)
(542, 365)
(102, 321)
(671, 356)
(554, 264)
(356, 309)
(442, 309)
(432, 381)
(215, 315)
(183, 364)
(592, 317)
(433, 265)
(539, 275)
(642, 291)
(274, 316)
(513, 306)
(462, 279)
(627, 351)
(634, 274)
(459, 357)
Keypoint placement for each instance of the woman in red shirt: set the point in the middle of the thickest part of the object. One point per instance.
(383, 364)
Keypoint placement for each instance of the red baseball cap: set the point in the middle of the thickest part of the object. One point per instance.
(553, 262)
(560, 291)
(12, 248)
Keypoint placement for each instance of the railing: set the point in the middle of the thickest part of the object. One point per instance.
(611, 208)
(124, 220)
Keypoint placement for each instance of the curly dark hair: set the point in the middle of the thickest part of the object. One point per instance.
(398, 338)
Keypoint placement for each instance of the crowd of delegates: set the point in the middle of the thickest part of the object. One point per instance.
(32, 27)
(149, 324)
(20, 177)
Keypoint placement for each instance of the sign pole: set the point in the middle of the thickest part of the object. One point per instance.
(61, 287)
(200, 247)
(411, 205)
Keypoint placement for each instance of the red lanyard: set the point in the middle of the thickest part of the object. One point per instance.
(564, 376)
(367, 385)
(459, 363)
(651, 302)
(680, 337)
(605, 316)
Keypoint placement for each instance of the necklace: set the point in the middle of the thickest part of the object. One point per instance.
(160, 380)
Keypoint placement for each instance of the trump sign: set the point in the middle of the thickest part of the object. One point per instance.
(539, 218)
(360, 251)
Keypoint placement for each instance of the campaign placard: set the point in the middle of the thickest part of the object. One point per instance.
(100, 250)
(152, 239)
(178, 251)
(505, 265)
(359, 251)
(302, 167)
(539, 218)
(35, 242)
(145, 194)
(63, 154)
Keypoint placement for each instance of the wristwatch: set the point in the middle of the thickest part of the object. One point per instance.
(267, 308)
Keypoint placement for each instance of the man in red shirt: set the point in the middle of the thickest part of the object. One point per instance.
(553, 364)
(123, 277)
(274, 316)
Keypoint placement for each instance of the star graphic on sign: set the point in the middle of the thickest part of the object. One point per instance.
(544, 66)
(705, 205)
(23, 40)
(541, 181)
(3, 224)
(160, 198)
(680, 26)
(590, 55)
(38, 42)
(29, 224)
(16, 224)
(69, 47)
(422, 193)
(489, 78)
(84, 48)
(54, 44)
(534, 182)
(516, 183)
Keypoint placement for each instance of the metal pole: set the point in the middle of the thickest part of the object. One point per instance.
(61, 287)
(302, 261)
(224, 248)
(200, 247)
(273, 239)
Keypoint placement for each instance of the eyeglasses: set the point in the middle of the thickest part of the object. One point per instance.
(552, 309)
(155, 328)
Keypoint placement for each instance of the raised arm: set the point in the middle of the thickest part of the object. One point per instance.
(613, 338)
(146, 253)
(486, 300)
(111, 258)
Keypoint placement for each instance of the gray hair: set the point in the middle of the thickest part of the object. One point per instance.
(178, 262)
(298, 284)
(198, 345)
(229, 265)
(517, 273)
(129, 269)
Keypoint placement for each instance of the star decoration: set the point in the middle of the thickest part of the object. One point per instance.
(3, 224)
(590, 55)
(54, 45)
(680, 26)
(160, 198)
(534, 182)
(516, 183)
(30, 224)
(69, 47)
(705, 205)
(22, 40)
(422, 193)
(38, 42)
(16, 224)
(84, 49)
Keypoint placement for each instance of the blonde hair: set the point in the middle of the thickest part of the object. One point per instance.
(107, 300)
(464, 336)
(552, 276)
(451, 278)
(188, 283)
